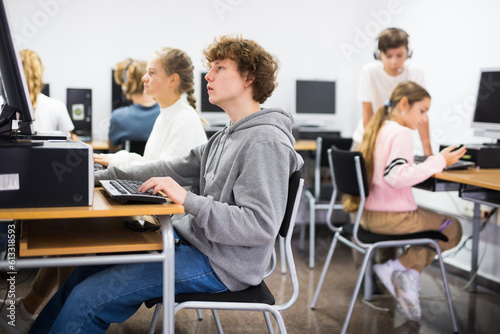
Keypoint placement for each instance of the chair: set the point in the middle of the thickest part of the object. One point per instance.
(348, 169)
(319, 197)
(254, 298)
(134, 146)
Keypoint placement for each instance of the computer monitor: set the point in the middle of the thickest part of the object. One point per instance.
(486, 120)
(315, 97)
(15, 90)
(118, 99)
(205, 102)
(46, 89)
(215, 116)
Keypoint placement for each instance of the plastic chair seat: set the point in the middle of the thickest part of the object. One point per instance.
(371, 238)
(254, 294)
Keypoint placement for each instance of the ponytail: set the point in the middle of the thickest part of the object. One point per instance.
(178, 61)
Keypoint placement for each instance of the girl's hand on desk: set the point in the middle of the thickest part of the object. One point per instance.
(102, 159)
(452, 156)
(168, 186)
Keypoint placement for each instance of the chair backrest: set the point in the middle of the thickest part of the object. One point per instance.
(346, 172)
(294, 184)
(321, 159)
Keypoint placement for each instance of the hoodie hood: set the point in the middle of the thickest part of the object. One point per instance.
(277, 120)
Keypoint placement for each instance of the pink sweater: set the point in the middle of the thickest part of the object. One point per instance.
(394, 171)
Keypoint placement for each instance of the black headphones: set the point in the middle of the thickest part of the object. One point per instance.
(125, 71)
(376, 53)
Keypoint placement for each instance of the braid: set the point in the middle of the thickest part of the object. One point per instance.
(178, 61)
(190, 97)
(33, 70)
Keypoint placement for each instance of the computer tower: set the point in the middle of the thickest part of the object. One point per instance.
(79, 104)
(56, 173)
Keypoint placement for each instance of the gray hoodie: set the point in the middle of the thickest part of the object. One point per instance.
(242, 173)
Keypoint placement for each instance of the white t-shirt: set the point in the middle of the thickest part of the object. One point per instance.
(51, 115)
(376, 86)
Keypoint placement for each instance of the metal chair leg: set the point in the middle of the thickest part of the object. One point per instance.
(269, 323)
(366, 260)
(156, 314)
(446, 288)
(312, 232)
(325, 270)
(217, 321)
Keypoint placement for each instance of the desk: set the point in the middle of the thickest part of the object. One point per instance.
(99, 145)
(488, 182)
(104, 207)
(300, 145)
(305, 145)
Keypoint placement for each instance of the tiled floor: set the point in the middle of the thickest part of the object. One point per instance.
(477, 313)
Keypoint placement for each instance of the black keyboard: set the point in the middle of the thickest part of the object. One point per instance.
(126, 191)
(419, 158)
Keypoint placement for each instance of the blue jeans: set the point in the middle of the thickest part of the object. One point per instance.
(93, 297)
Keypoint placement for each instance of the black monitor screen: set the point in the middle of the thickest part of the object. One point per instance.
(205, 103)
(488, 98)
(118, 99)
(46, 89)
(315, 97)
(15, 89)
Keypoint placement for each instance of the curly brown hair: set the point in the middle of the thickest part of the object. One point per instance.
(252, 60)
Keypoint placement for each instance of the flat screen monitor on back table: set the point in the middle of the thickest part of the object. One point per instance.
(486, 120)
(315, 103)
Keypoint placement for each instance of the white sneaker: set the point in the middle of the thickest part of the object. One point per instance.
(15, 320)
(384, 273)
(407, 287)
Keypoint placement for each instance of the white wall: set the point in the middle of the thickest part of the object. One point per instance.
(80, 41)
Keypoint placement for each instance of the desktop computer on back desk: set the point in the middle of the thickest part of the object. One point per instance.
(55, 173)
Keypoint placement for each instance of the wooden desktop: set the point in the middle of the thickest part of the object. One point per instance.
(300, 145)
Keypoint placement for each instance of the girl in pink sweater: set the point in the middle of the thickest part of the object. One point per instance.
(390, 207)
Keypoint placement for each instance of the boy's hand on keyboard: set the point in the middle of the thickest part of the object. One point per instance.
(168, 186)
(451, 155)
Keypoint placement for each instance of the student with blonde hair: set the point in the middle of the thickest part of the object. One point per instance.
(169, 80)
(50, 114)
(390, 208)
(133, 122)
